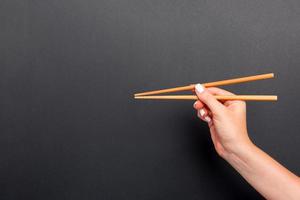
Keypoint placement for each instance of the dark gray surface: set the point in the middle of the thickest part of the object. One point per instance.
(70, 128)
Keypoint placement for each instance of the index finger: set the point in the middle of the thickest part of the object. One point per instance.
(219, 91)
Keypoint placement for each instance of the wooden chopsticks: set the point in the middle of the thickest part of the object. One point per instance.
(145, 95)
(210, 84)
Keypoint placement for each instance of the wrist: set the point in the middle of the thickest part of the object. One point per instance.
(239, 150)
(240, 157)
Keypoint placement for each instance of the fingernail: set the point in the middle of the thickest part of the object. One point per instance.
(202, 112)
(195, 104)
(199, 114)
(199, 88)
(207, 119)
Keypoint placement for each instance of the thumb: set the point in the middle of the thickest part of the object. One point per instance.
(208, 99)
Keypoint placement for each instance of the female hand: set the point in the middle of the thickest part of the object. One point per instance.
(228, 129)
(226, 120)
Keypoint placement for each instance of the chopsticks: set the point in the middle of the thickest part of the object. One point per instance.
(146, 95)
(210, 84)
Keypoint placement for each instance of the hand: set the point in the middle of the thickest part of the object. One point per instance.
(228, 129)
(226, 120)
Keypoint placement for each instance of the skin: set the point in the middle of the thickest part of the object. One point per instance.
(228, 129)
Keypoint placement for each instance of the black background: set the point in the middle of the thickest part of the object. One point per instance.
(70, 128)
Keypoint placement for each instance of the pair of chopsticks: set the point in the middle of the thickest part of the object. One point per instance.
(152, 94)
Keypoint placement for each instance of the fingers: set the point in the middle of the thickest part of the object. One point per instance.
(202, 112)
(208, 99)
(219, 91)
(198, 105)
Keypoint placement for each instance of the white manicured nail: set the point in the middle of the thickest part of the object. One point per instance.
(199, 88)
(195, 104)
(199, 114)
(207, 119)
(202, 112)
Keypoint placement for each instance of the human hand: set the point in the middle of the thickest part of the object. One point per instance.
(228, 129)
(226, 120)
